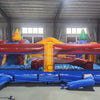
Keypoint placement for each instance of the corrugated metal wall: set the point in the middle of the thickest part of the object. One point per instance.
(48, 27)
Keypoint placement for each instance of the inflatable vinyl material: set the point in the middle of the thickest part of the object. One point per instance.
(88, 81)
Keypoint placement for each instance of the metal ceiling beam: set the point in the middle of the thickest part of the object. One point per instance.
(4, 14)
(56, 18)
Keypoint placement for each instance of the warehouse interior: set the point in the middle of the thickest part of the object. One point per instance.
(39, 19)
(53, 16)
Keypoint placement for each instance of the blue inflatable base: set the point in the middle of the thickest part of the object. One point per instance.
(5, 78)
(68, 74)
(22, 76)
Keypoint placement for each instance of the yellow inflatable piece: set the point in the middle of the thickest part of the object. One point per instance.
(92, 58)
(36, 55)
(4, 59)
(48, 52)
(16, 36)
(50, 39)
(25, 59)
(61, 55)
(83, 56)
(48, 56)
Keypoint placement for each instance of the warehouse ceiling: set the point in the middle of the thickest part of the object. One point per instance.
(30, 8)
(81, 9)
(47, 9)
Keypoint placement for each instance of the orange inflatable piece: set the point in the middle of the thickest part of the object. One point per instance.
(17, 36)
(50, 39)
(48, 52)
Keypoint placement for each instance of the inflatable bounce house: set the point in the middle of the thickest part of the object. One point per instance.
(50, 61)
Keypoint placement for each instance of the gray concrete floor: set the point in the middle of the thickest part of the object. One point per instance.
(52, 92)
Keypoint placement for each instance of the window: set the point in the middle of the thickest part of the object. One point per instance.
(71, 39)
(31, 30)
(33, 39)
(35, 31)
(37, 39)
(73, 34)
(40, 30)
(79, 30)
(24, 30)
(68, 30)
(75, 30)
(28, 38)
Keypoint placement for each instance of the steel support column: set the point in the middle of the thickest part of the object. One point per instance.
(98, 30)
(56, 18)
(9, 30)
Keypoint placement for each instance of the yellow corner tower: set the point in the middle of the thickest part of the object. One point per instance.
(17, 36)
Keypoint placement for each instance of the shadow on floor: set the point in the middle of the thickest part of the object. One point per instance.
(34, 84)
(97, 85)
(47, 85)
(3, 86)
(82, 89)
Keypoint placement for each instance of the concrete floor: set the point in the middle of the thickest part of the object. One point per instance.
(52, 92)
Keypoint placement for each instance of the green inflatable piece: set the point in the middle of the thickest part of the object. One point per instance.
(83, 35)
(28, 58)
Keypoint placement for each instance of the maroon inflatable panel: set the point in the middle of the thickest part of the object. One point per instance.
(35, 64)
(64, 60)
(20, 58)
(77, 48)
(21, 48)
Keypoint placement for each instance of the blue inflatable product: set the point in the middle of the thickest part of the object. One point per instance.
(79, 56)
(70, 42)
(81, 41)
(88, 81)
(26, 78)
(5, 79)
(62, 86)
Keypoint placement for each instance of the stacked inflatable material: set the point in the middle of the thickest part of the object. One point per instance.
(86, 82)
